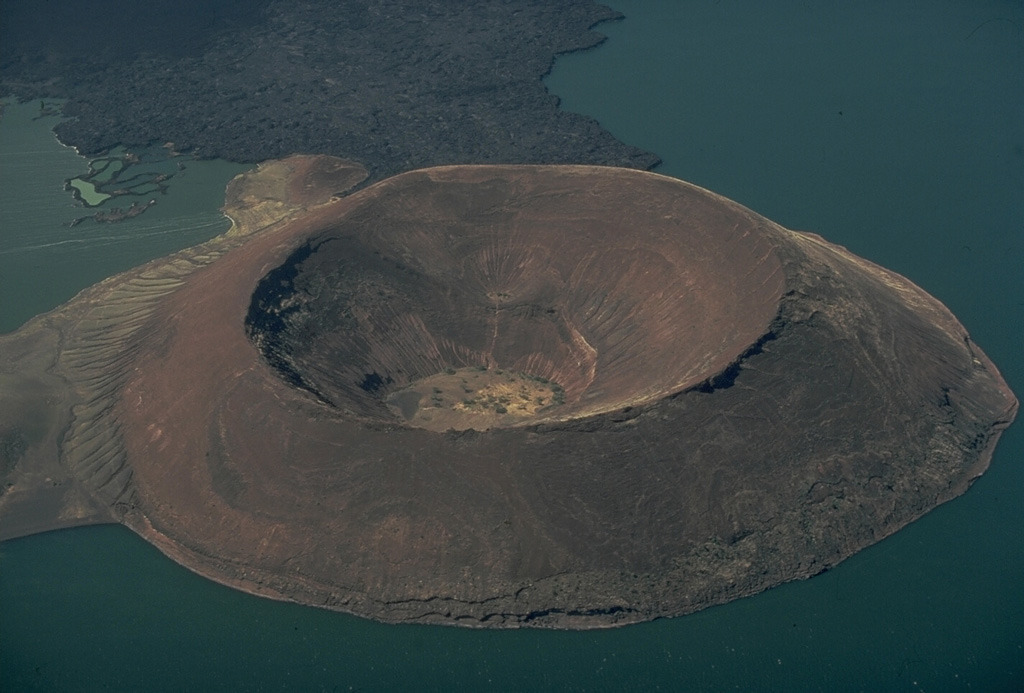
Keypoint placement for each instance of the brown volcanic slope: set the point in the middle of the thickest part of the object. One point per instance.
(498, 396)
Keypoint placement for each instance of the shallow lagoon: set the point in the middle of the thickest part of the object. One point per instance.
(44, 260)
(922, 172)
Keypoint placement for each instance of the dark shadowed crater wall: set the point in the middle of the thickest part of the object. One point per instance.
(492, 273)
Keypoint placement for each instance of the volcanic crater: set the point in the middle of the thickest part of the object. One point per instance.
(496, 396)
(398, 308)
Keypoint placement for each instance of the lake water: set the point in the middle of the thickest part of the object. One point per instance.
(894, 128)
(43, 261)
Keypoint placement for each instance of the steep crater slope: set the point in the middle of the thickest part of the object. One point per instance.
(461, 272)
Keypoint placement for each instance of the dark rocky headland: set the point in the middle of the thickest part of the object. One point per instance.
(393, 85)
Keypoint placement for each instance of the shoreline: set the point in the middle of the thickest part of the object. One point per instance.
(445, 105)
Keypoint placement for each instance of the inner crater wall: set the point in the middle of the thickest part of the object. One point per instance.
(618, 303)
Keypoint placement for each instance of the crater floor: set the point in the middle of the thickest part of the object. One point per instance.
(476, 398)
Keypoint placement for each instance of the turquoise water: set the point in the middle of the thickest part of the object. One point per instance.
(43, 261)
(923, 172)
